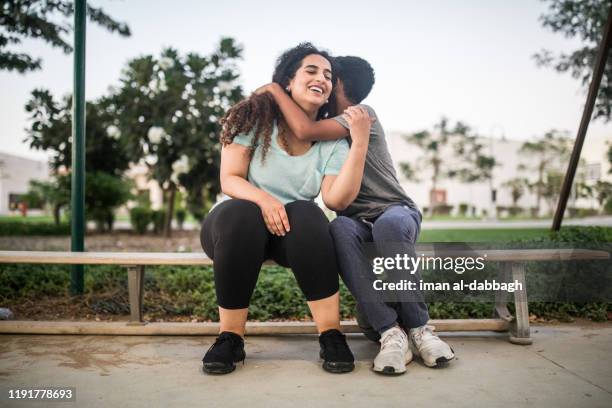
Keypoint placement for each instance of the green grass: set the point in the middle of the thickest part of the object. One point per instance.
(450, 218)
(482, 235)
(28, 219)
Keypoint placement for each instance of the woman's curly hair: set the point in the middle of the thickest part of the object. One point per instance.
(258, 113)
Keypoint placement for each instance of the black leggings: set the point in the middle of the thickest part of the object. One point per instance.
(235, 236)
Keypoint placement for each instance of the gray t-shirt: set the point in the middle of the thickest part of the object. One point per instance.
(379, 186)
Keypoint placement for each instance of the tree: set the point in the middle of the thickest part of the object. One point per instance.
(603, 193)
(584, 19)
(448, 152)
(516, 187)
(168, 110)
(610, 157)
(551, 187)
(474, 164)
(105, 150)
(547, 154)
(51, 128)
(104, 193)
(24, 19)
(55, 194)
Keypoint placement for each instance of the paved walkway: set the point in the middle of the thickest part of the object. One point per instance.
(567, 366)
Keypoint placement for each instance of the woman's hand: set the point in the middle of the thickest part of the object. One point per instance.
(274, 214)
(359, 122)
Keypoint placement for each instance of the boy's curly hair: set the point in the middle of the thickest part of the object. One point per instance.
(258, 113)
(357, 76)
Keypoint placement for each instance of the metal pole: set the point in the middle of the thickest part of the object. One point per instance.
(78, 146)
(598, 70)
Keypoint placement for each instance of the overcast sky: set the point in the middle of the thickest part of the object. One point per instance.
(468, 60)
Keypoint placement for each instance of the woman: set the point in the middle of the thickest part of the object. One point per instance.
(272, 178)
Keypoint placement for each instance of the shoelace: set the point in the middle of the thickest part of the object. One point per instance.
(422, 332)
(335, 341)
(222, 339)
(393, 338)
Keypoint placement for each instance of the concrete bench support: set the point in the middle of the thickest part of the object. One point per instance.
(136, 294)
(519, 323)
(519, 330)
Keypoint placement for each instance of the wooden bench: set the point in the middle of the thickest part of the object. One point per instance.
(513, 269)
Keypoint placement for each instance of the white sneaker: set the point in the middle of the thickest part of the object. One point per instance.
(394, 352)
(427, 345)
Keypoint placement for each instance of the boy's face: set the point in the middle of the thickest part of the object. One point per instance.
(341, 98)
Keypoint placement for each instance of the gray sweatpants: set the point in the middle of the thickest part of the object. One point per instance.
(396, 230)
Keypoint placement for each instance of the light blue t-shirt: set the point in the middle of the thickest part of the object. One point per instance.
(290, 178)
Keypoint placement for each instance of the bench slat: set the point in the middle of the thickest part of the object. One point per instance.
(194, 258)
(105, 258)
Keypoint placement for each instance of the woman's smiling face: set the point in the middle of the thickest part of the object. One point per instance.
(312, 83)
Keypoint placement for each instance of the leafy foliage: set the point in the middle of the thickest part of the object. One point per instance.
(106, 154)
(469, 163)
(546, 157)
(140, 218)
(51, 127)
(103, 194)
(516, 186)
(36, 19)
(584, 19)
(55, 194)
(181, 215)
(168, 109)
(19, 228)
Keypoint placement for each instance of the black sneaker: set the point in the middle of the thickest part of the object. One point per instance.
(221, 356)
(336, 354)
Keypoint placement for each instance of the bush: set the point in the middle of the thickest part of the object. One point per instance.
(33, 199)
(586, 212)
(176, 291)
(23, 228)
(442, 209)
(103, 217)
(572, 212)
(515, 210)
(103, 194)
(181, 215)
(159, 219)
(463, 209)
(608, 207)
(571, 289)
(501, 210)
(140, 218)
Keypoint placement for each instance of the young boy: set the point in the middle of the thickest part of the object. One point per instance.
(382, 214)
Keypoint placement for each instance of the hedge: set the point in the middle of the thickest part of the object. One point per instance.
(20, 228)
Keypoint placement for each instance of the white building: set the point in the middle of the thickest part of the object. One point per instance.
(507, 155)
(15, 175)
(145, 186)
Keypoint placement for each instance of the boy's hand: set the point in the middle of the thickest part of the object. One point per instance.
(271, 88)
(359, 122)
